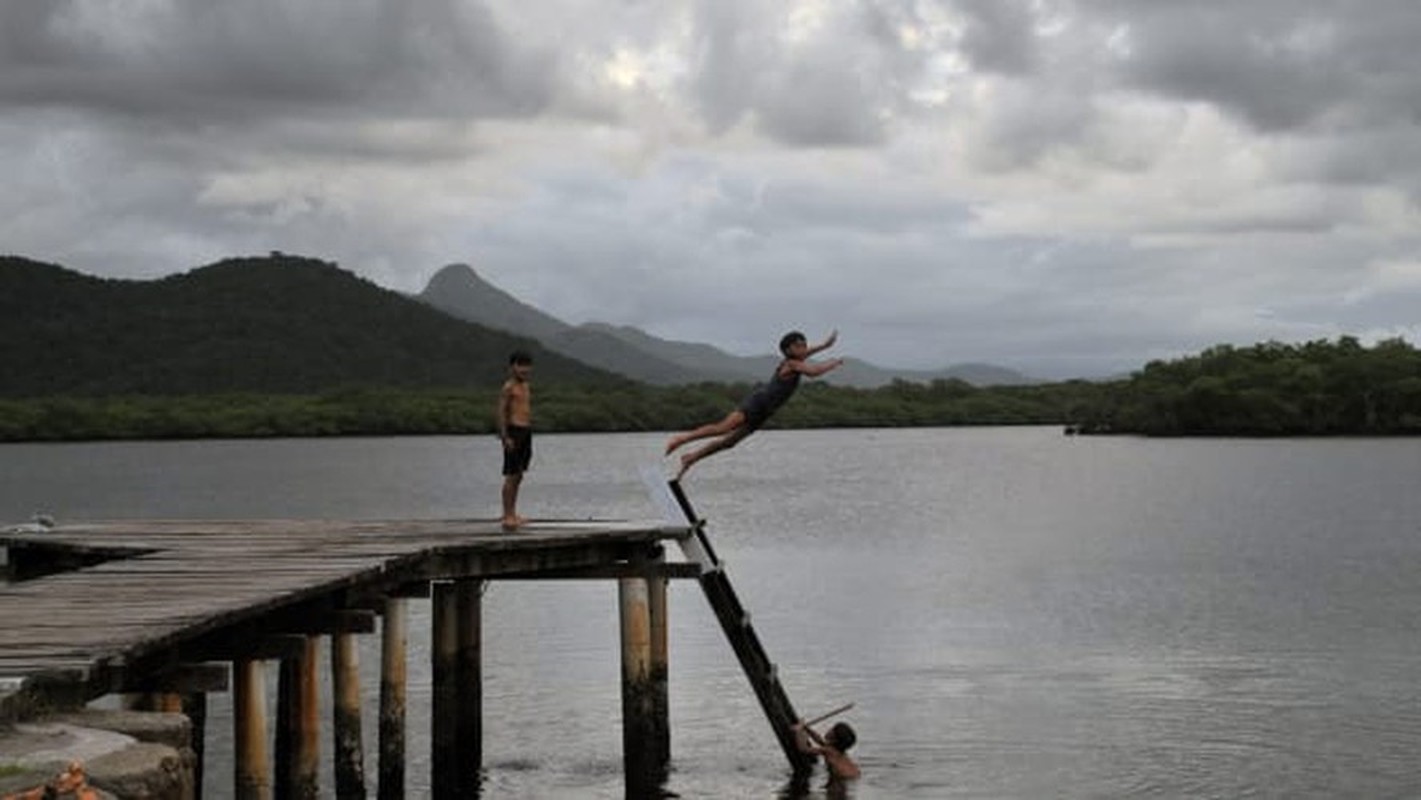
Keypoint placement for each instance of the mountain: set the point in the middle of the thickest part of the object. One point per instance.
(459, 292)
(271, 324)
(713, 364)
(707, 362)
(626, 350)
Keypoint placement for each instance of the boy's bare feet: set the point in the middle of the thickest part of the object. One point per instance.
(511, 524)
(673, 443)
(686, 461)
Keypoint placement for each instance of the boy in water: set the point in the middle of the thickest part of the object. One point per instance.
(833, 747)
(515, 431)
(763, 402)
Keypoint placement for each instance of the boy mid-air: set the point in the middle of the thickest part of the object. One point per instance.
(761, 403)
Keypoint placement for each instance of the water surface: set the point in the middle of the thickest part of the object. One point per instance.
(1015, 613)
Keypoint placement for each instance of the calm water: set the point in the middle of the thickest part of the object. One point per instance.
(1016, 613)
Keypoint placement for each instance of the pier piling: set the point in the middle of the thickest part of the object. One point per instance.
(253, 767)
(298, 725)
(457, 716)
(393, 647)
(658, 616)
(349, 756)
(641, 747)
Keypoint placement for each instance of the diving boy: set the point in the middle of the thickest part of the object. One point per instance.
(767, 398)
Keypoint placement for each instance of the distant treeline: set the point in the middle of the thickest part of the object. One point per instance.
(1271, 389)
(630, 407)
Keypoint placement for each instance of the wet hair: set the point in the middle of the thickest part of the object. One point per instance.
(519, 357)
(789, 339)
(842, 736)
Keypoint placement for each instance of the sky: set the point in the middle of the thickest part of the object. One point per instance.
(1070, 189)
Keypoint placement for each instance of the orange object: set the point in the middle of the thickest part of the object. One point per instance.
(71, 783)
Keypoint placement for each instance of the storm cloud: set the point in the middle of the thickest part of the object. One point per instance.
(1068, 188)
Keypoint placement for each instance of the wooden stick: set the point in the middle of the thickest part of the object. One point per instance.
(836, 712)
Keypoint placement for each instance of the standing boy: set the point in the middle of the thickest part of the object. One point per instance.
(515, 431)
(764, 401)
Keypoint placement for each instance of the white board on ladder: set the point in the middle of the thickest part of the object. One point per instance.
(660, 493)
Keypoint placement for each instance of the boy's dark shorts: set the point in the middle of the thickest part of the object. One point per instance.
(517, 458)
(756, 410)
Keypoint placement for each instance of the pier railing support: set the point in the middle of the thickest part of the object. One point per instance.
(345, 718)
(393, 647)
(457, 718)
(253, 766)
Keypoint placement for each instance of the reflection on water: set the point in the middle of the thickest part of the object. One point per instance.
(1015, 613)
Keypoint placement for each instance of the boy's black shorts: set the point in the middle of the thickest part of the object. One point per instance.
(517, 458)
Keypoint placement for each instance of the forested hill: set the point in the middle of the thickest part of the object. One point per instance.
(277, 324)
(1270, 389)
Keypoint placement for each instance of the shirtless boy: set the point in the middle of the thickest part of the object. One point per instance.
(515, 431)
(833, 746)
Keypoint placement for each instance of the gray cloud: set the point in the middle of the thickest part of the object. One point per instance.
(999, 35)
(205, 60)
(834, 81)
(1062, 186)
(1279, 65)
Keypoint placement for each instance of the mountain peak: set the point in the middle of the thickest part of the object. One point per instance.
(458, 291)
(455, 275)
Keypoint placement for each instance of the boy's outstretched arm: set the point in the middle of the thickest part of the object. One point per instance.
(807, 739)
(815, 369)
(826, 344)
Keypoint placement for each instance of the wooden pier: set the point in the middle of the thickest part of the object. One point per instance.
(167, 611)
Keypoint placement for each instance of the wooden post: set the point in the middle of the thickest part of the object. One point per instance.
(253, 768)
(639, 738)
(393, 644)
(444, 755)
(195, 707)
(298, 725)
(456, 755)
(345, 722)
(471, 685)
(660, 672)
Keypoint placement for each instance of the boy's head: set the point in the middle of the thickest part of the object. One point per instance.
(841, 736)
(790, 340)
(519, 362)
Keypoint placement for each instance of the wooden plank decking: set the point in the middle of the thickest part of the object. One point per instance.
(181, 591)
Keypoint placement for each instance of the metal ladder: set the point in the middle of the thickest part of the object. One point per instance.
(735, 622)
